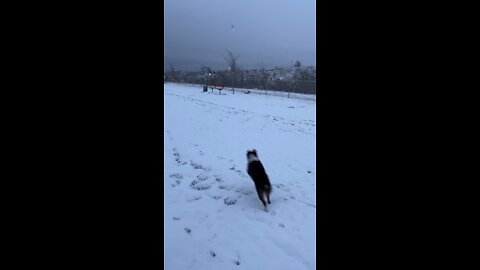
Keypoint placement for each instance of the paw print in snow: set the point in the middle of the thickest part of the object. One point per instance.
(196, 165)
(229, 201)
(200, 183)
(178, 178)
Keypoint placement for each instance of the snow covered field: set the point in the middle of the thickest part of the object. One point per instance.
(213, 217)
(262, 92)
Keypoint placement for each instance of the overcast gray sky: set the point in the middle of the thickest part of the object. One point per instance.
(268, 32)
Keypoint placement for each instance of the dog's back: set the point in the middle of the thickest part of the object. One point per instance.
(257, 172)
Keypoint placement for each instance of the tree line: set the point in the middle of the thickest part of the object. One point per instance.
(299, 80)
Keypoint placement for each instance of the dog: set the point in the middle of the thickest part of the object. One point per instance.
(257, 172)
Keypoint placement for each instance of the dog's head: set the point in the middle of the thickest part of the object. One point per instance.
(252, 154)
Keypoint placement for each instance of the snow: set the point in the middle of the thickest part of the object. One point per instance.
(213, 217)
(269, 92)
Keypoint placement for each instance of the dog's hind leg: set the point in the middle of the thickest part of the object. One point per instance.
(267, 193)
(260, 195)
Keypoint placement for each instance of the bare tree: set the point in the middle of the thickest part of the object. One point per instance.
(297, 64)
(233, 67)
(205, 69)
(222, 78)
(173, 72)
(241, 78)
(304, 74)
(263, 77)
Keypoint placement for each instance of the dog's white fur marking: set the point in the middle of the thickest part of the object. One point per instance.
(252, 157)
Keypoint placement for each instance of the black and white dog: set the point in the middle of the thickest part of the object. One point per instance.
(259, 176)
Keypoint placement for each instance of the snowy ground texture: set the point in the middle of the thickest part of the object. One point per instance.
(213, 217)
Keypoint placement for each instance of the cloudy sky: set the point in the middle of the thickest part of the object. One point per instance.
(262, 32)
